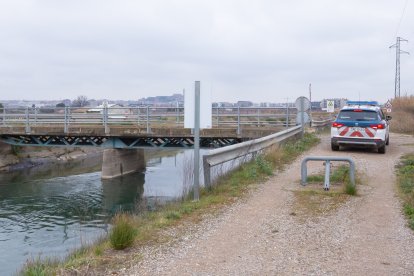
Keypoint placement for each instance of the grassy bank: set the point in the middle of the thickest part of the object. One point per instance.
(403, 115)
(132, 231)
(405, 176)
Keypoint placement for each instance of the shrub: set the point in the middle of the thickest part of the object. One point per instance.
(123, 232)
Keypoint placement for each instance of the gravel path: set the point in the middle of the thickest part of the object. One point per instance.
(265, 235)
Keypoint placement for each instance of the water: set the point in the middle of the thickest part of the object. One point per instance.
(50, 212)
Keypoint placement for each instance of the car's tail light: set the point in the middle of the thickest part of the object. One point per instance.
(338, 125)
(378, 126)
(357, 110)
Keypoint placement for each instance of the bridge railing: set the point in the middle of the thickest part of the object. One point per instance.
(144, 117)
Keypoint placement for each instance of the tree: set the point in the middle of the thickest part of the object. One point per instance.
(60, 105)
(1, 107)
(80, 101)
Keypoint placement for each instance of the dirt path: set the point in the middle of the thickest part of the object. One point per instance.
(266, 234)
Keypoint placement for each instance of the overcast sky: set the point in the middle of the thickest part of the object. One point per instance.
(262, 51)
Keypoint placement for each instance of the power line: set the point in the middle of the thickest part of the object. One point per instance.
(401, 18)
(398, 51)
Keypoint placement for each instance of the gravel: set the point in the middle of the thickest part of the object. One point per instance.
(265, 235)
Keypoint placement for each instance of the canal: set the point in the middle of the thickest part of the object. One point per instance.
(51, 212)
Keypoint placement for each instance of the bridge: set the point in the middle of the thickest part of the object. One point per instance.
(121, 129)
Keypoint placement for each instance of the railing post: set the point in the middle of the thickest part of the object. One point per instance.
(258, 116)
(35, 115)
(27, 120)
(148, 118)
(287, 114)
(105, 118)
(177, 115)
(207, 172)
(327, 175)
(66, 127)
(217, 112)
(238, 120)
(4, 115)
(138, 115)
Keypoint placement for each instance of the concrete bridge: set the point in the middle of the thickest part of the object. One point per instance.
(124, 132)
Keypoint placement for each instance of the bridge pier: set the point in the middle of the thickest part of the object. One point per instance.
(119, 162)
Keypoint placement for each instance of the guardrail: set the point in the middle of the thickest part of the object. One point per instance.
(321, 123)
(222, 155)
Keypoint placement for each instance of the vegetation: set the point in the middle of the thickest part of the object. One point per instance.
(403, 115)
(339, 175)
(405, 174)
(60, 105)
(147, 227)
(80, 101)
(123, 232)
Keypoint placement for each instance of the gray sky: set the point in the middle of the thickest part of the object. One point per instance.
(263, 51)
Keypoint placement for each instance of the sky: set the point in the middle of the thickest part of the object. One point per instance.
(260, 51)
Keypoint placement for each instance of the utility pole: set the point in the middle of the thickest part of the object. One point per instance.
(310, 96)
(398, 51)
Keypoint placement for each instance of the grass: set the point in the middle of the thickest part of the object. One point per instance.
(403, 115)
(405, 180)
(338, 175)
(148, 227)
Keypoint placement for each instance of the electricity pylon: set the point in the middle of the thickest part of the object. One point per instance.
(398, 51)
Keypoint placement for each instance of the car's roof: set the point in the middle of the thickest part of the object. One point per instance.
(362, 105)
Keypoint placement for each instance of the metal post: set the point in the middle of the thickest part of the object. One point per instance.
(35, 114)
(148, 124)
(217, 111)
(138, 115)
(238, 119)
(105, 118)
(287, 114)
(66, 128)
(177, 114)
(197, 142)
(4, 115)
(207, 172)
(27, 121)
(258, 117)
(327, 175)
(302, 116)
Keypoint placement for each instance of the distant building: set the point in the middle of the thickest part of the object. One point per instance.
(244, 104)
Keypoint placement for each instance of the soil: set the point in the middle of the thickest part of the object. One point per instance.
(277, 230)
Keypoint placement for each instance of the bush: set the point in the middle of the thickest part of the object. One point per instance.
(123, 232)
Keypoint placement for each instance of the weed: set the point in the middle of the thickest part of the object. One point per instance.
(405, 175)
(39, 267)
(123, 232)
(173, 215)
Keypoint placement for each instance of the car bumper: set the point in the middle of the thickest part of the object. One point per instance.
(340, 141)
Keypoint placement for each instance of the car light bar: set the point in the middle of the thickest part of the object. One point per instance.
(373, 103)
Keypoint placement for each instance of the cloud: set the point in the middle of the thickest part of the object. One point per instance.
(241, 50)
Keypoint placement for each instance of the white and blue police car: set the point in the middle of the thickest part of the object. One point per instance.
(361, 124)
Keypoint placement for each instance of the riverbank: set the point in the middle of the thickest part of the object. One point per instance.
(16, 158)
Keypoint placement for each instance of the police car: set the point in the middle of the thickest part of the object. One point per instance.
(363, 124)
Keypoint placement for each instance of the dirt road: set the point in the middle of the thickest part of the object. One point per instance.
(273, 233)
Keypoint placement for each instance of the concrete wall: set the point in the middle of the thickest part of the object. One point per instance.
(119, 162)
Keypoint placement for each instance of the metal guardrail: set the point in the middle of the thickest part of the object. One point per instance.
(327, 159)
(222, 155)
(321, 123)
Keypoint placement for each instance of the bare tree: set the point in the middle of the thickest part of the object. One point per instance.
(80, 101)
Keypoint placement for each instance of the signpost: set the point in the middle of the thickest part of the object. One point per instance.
(330, 106)
(302, 105)
(197, 116)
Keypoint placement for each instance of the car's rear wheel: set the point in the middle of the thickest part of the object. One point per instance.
(388, 141)
(334, 147)
(381, 149)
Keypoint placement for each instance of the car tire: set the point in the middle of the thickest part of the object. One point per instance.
(381, 149)
(388, 141)
(334, 147)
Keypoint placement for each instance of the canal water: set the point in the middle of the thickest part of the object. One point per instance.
(51, 212)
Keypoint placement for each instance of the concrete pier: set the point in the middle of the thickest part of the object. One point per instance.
(119, 162)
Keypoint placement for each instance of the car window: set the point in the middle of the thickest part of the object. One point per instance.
(364, 115)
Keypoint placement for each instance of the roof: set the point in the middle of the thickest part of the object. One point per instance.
(366, 105)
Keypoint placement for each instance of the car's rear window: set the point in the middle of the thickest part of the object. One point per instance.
(364, 115)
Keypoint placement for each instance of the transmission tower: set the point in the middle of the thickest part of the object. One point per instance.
(398, 51)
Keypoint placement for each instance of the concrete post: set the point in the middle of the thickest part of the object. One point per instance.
(119, 162)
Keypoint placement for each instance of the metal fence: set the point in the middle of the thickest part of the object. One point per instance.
(144, 116)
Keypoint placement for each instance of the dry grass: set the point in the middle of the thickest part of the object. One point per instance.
(403, 115)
